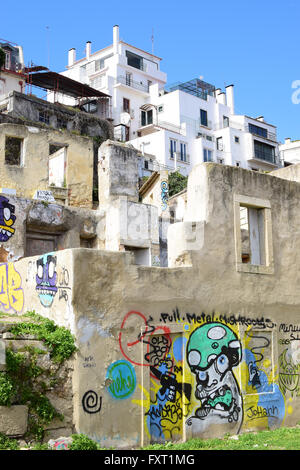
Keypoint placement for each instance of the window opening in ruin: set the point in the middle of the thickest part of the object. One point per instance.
(142, 256)
(44, 117)
(57, 165)
(253, 235)
(252, 226)
(13, 150)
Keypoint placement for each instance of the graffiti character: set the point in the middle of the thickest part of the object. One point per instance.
(46, 279)
(212, 352)
(7, 219)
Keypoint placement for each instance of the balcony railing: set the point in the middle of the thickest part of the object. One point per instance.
(133, 84)
(180, 157)
(239, 126)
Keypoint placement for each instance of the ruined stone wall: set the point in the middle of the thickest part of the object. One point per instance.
(33, 172)
(170, 353)
(198, 350)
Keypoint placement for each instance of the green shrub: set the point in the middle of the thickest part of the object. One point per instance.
(58, 338)
(83, 442)
(6, 390)
(177, 182)
(8, 444)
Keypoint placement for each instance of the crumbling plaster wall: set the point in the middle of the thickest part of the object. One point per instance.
(71, 225)
(198, 350)
(33, 172)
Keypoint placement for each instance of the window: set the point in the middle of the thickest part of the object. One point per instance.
(96, 82)
(183, 154)
(221, 161)
(237, 163)
(90, 107)
(207, 155)
(203, 117)
(236, 139)
(160, 108)
(220, 143)
(225, 121)
(128, 80)
(13, 150)
(146, 117)
(100, 63)
(264, 151)
(44, 117)
(126, 105)
(173, 149)
(253, 235)
(258, 130)
(134, 60)
(61, 123)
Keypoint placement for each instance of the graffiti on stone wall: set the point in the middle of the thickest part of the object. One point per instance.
(46, 279)
(50, 279)
(121, 380)
(213, 351)
(164, 195)
(205, 373)
(11, 293)
(289, 360)
(91, 402)
(7, 219)
(63, 284)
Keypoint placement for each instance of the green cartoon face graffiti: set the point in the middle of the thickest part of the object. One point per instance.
(212, 351)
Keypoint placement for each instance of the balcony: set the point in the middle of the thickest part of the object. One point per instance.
(256, 131)
(132, 84)
(180, 158)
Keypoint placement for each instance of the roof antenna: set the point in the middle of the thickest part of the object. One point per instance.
(152, 40)
(48, 46)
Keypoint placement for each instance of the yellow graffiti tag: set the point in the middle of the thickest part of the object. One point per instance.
(11, 292)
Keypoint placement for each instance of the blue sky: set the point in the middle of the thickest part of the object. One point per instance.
(254, 45)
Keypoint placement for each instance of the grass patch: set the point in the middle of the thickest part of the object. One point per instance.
(277, 439)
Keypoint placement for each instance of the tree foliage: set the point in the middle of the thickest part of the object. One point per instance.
(177, 182)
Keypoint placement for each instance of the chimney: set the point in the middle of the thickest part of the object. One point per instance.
(230, 98)
(88, 49)
(71, 56)
(220, 96)
(115, 39)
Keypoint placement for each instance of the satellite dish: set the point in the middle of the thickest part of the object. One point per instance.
(125, 118)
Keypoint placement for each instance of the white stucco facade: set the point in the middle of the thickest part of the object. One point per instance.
(181, 126)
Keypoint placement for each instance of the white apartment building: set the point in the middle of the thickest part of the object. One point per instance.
(289, 152)
(181, 125)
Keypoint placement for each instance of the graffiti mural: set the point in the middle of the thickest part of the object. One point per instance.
(11, 293)
(46, 279)
(164, 195)
(213, 351)
(7, 219)
(121, 379)
(212, 369)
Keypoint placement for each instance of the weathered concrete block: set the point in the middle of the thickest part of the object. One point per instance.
(13, 420)
(22, 345)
